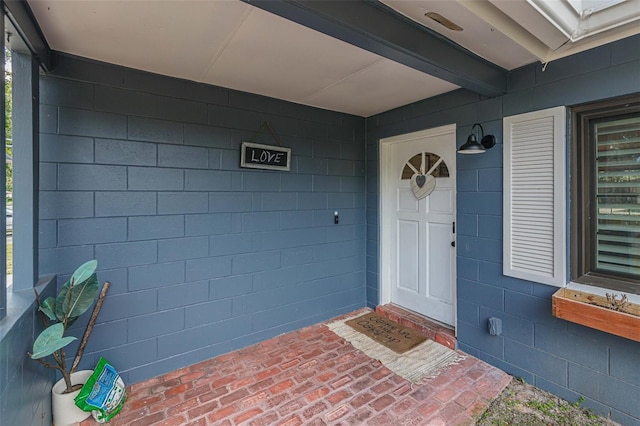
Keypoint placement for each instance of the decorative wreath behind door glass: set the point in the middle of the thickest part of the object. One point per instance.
(422, 169)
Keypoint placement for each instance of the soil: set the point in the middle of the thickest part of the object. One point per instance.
(522, 404)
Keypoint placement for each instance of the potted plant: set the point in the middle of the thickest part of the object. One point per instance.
(58, 313)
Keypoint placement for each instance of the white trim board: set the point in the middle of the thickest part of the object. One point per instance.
(385, 145)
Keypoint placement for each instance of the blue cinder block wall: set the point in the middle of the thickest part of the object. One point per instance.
(142, 172)
(25, 385)
(567, 359)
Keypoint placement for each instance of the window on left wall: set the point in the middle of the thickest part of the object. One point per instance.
(6, 234)
(8, 88)
(19, 226)
(20, 137)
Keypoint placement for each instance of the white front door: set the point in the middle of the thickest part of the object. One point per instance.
(418, 233)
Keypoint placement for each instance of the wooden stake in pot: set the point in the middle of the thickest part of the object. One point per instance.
(89, 329)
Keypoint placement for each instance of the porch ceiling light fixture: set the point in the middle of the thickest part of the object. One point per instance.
(472, 146)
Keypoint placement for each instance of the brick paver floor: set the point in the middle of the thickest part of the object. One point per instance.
(308, 377)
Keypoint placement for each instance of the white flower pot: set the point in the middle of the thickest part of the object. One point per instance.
(65, 411)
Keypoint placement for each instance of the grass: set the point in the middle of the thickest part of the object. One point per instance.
(9, 257)
(524, 405)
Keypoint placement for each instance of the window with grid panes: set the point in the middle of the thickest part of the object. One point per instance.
(606, 195)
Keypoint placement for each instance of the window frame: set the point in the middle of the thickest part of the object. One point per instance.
(29, 53)
(583, 182)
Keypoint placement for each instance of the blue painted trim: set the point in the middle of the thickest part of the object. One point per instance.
(26, 168)
(378, 29)
(21, 302)
(22, 20)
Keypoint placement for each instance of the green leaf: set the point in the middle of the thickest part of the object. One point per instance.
(84, 271)
(50, 340)
(49, 307)
(83, 295)
(62, 295)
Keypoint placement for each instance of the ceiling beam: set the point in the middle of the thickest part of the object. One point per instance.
(380, 30)
(21, 21)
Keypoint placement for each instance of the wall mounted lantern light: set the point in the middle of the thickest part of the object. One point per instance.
(472, 146)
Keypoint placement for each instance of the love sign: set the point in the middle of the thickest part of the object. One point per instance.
(256, 156)
(422, 185)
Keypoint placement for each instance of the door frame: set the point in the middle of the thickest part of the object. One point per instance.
(385, 145)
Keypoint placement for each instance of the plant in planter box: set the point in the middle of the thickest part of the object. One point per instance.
(609, 313)
(75, 297)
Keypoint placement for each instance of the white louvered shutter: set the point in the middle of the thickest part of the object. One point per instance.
(534, 196)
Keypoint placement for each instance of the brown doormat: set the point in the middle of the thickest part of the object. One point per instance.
(389, 333)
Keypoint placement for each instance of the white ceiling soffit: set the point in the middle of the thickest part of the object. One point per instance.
(567, 27)
(234, 45)
(478, 36)
(545, 29)
(578, 19)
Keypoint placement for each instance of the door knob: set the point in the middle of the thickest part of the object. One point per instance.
(453, 243)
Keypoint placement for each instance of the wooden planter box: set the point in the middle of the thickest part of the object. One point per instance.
(582, 308)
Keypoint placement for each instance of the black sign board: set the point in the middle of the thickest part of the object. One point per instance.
(256, 156)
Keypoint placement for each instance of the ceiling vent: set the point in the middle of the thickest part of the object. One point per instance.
(443, 21)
